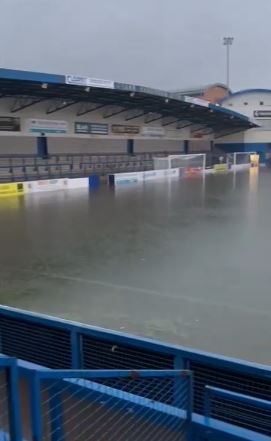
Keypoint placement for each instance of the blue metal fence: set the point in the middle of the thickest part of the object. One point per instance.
(96, 405)
(59, 344)
(243, 410)
(10, 422)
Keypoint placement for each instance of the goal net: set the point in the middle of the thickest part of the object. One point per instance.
(196, 162)
(241, 159)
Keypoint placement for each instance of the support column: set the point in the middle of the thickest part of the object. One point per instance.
(130, 147)
(42, 146)
(186, 147)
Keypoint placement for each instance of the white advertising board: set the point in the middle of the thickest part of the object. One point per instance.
(46, 126)
(128, 178)
(78, 183)
(78, 80)
(153, 131)
(46, 185)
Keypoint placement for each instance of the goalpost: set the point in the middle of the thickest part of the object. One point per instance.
(192, 162)
(242, 159)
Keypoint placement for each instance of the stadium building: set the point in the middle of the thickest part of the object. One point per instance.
(60, 125)
(256, 105)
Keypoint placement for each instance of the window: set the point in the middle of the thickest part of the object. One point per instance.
(261, 103)
(245, 103)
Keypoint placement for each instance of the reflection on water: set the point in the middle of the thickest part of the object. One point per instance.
(182, 260)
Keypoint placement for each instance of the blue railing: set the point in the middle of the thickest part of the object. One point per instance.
(243, 410)
(58, 344)
(111, 405)
(10, 418)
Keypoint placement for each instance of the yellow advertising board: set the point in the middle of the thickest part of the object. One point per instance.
(11, 189)
(220, 168)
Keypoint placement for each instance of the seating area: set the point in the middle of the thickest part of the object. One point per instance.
(14, 168)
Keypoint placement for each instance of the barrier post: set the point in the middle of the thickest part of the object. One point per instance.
(14, 403)
(35, 405)
(76, 349)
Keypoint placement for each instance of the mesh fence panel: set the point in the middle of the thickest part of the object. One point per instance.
(187, 161)
(4, 406)
(244, 415)
(115, 408)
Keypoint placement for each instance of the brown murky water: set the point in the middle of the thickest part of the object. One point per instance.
(186, 261)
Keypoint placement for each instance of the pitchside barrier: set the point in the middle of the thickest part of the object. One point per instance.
(127, 178)
(59, 344)
(12, 189)
(20, 188)
(111, 405)
(55, 405)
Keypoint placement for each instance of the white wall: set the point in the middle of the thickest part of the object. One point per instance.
(248, 102)
(152, 145)
(79, 145)
(17, 145)
(199, 146)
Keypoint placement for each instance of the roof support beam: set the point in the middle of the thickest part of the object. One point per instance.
(111, 112)
(63, 104)
(153, 117)
(229, 132)
(169, 120)
(184, 125)
(136, 114)
(23, 103)
(207, 131)
(198, 127)
(90, 108)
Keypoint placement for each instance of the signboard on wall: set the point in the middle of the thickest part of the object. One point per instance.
(153, 131)
(78, 80)
(9, 124)
(90, 128)
(46, 126)
(124, 129)
(262, 114)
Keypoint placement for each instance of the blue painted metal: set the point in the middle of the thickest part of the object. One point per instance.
(35, 400)
(22, 75)
(102, 349)
(94, 181)
(241, 398)
(76, 350)
(42, 147)
(130, 147)
(9, 365)
(110, 392)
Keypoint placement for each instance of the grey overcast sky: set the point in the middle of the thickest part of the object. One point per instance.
(167, 44)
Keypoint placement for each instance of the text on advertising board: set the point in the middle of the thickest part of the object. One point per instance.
(77, 80)
(9, 124)
(46, 126)
(262, 113)
(153, 131)
(122, 129)
(86, 128)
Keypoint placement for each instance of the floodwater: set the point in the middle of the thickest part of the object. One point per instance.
(186, 261)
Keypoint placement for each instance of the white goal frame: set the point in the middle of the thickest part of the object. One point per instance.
(167, 160)
(234, 155)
